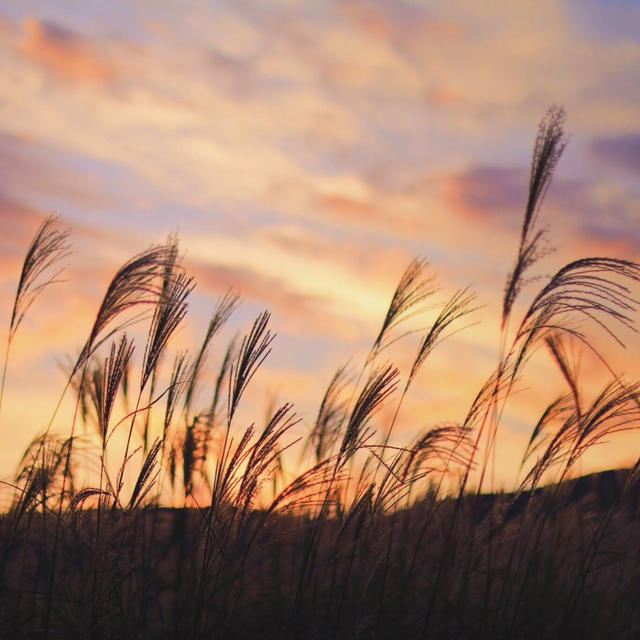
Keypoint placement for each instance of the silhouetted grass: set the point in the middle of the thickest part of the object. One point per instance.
(369, 539)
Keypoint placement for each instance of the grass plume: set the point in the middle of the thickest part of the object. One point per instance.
(49, 246)
(549, 146)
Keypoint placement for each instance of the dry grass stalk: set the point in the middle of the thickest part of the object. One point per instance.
(49, 245)
(548, 148)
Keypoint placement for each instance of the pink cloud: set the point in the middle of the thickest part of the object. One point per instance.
(62, 52)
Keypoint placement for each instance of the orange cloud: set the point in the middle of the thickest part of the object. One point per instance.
(442, 96)
(384, 23)
(18, 220)
(369, 18)
(62, 52)
(347, 209)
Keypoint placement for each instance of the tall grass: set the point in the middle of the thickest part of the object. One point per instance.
(367, 538)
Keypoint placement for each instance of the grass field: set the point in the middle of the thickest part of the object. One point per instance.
(370, 539)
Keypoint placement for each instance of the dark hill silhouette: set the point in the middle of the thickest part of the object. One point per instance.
(596, 491)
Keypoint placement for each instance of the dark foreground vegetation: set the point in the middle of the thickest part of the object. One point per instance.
(369, 539)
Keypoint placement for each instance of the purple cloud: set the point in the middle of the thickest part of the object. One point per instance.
(620, 151)
(488, 192)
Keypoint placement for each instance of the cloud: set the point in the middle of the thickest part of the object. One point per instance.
(47, 178)
(487, 193)
(620, 151)
(389, 20)
(350, 210)
(443, 96)
(252, 285)
(583, 211)
(374, 258)
(19, 223)
(62, 51)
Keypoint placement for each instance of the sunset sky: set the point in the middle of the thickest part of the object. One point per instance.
(304, 152)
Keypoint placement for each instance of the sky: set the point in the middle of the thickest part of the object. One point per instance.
(304, 153)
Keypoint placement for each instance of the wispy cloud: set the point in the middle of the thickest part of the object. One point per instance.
(62, 52)
(496, 194)
(621, 151)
